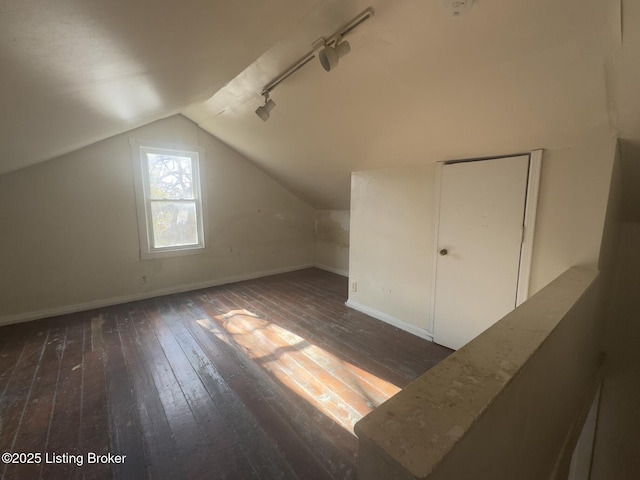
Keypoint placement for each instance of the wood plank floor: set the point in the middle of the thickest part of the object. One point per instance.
(261, 379)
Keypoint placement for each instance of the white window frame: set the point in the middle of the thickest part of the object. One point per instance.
(139, 150)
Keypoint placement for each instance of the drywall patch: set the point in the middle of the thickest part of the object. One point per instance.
(332, 240)
(341, 217)
(332, 227)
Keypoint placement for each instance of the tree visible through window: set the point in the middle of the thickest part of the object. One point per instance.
(173, 203)
(172, 200)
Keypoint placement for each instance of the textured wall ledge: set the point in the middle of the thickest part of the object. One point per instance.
(501, 407)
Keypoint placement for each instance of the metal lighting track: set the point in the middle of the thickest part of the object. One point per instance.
(302, 61)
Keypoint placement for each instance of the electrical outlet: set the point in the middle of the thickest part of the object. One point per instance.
(143, 280)
(354, 286)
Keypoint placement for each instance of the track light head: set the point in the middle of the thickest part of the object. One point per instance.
(329, 56)
(264, 111)
(334, 49)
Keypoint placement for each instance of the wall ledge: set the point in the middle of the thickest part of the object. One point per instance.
(465, 401)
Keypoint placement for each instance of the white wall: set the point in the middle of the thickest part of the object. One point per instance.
(574, 189)
(392, 243)
(392, 228)
(332, 241)
(69, 236)
(618, 430)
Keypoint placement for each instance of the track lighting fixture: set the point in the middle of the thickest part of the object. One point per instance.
(264, 111)
(333, 49)
(329, 56)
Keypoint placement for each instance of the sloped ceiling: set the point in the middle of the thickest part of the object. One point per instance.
(75, 71)
(418, 86)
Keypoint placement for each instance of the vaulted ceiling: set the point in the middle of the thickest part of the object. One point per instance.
(419, 84)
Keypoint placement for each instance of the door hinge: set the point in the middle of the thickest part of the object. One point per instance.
(522, 234)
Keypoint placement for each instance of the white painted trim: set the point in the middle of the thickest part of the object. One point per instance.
(339, 271)
(436, 230)
(107, 302)
(530, 211)
(396, 322)
(139, 151)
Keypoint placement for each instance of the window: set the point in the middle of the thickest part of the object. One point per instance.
(169, 200)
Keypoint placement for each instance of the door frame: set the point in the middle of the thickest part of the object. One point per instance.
(528, 232)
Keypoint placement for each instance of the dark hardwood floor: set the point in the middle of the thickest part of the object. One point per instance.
(261, 379)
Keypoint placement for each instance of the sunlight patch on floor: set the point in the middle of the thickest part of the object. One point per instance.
(336, 387)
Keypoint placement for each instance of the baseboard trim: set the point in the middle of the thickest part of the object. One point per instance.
(339, 271)
(107, 302)
(391, 320)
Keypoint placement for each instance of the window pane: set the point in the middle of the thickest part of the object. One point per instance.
(174, 224)
(170, 176)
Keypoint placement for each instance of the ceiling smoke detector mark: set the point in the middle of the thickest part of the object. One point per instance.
(457, 7)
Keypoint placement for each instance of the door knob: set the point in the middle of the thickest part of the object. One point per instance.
(443, 252)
